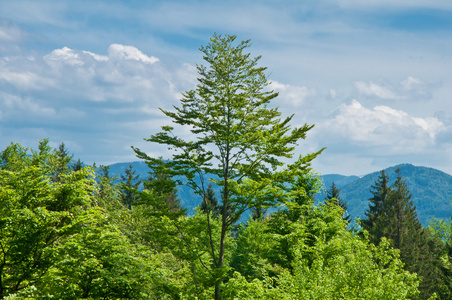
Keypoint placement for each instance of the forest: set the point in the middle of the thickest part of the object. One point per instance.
(70, 231)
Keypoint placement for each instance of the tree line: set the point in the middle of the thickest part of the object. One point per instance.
(69, 231)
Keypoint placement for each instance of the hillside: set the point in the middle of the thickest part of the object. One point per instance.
(431, 189)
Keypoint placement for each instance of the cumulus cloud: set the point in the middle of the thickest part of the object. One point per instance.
(125, 74)
(383, 126)
(118, 51)
(88, 99)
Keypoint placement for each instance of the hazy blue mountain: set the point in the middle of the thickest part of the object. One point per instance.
(189, 199)
(139, 166)
(431, 189)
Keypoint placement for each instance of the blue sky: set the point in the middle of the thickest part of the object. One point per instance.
(373, 76)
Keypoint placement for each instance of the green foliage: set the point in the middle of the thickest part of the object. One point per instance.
(60, 236)
(237, 139)
(345, 267)
(253, 247)
(36, 213)
(327, 262)
(165, 189)
(441, 231)
(97, 263)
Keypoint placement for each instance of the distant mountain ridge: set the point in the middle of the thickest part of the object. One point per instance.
(431, 189)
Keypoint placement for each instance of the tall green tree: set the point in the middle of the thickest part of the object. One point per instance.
(236, 138)
(372, 221)
(392, 214)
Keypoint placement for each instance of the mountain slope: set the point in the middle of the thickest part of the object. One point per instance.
(431, 189)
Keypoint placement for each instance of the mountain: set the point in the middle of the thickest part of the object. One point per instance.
(431, 189)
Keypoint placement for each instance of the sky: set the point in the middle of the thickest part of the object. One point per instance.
(373, 76)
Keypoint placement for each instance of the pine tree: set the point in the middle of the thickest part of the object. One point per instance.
(210, 202)
(128, 186)
(334, 193)
(373, 216)
(165, 188)
(258, 213)
(60, 162)
(392, 214)
(77, 166)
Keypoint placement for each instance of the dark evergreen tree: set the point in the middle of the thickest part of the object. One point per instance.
(392, 214)
(373, 216)
(403, 226)
(108, 192)
(166, 192)
(77, 166)
(210, 202)
(334, 193)
(60, 163)
(258, 213)
(129, 186)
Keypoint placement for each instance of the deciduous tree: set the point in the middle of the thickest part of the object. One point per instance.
(236, 137)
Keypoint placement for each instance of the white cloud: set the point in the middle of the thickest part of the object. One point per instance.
(96, 56)
(383, 126)
(24, 79)
(126, 74)
(64, 55)
(89, 99)
(117, 51)
(410, 83)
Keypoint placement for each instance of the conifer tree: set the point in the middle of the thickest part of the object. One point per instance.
(165, 189)
(334, 193)
(392, 214)
(258, 212)
(77, 166)
(129, 185)
(210, 201)
(108, 193)
(373, 216)
(60, 162)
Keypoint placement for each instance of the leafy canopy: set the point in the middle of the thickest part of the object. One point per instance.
(237, 140)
